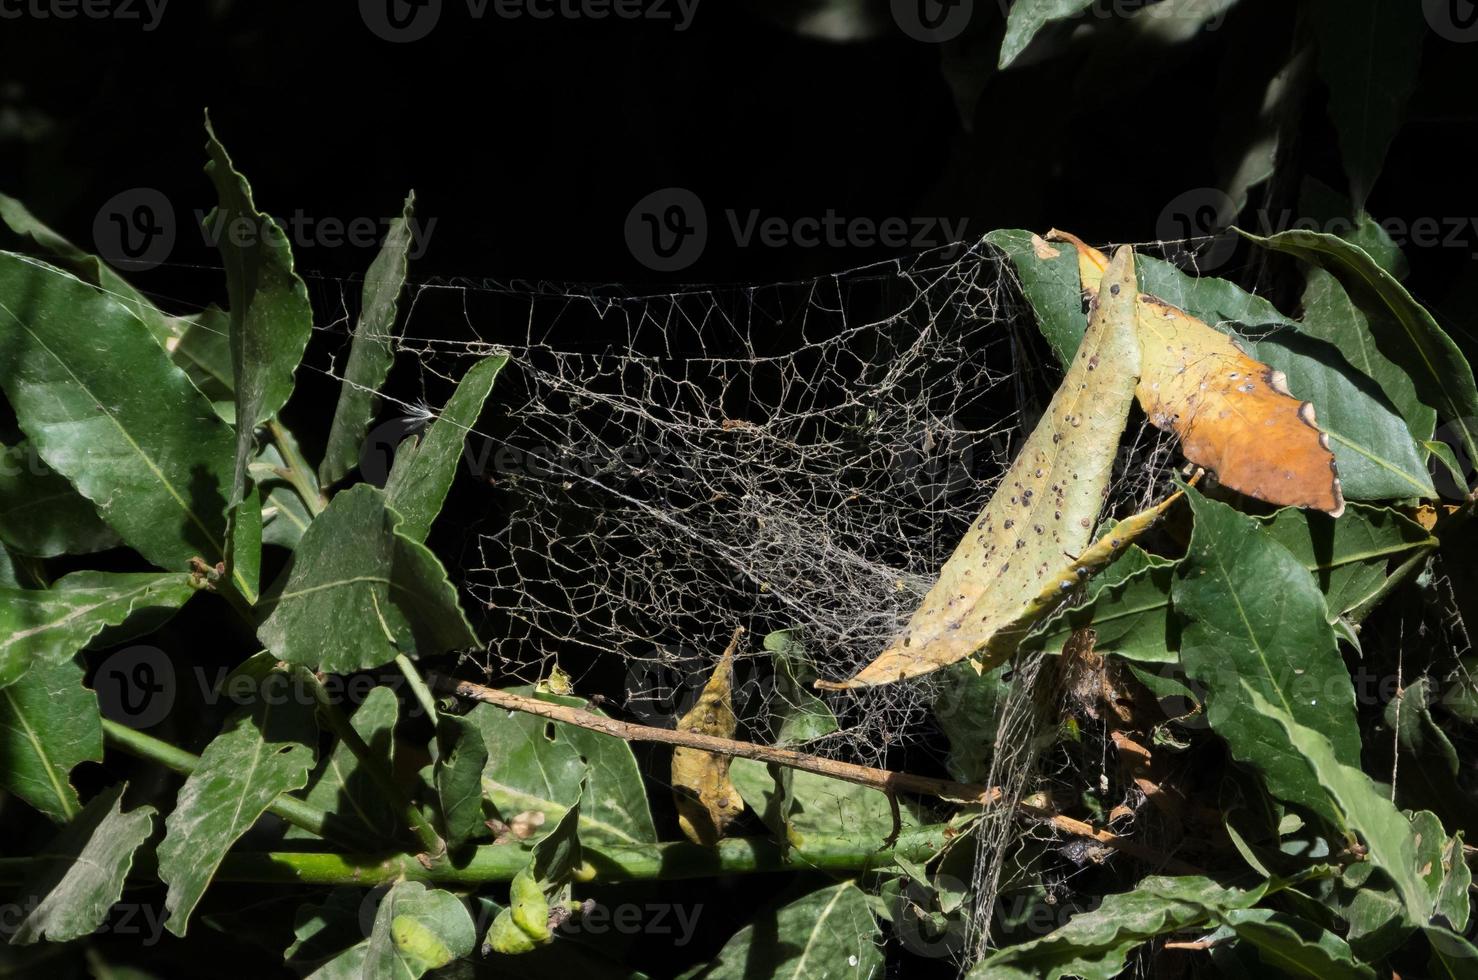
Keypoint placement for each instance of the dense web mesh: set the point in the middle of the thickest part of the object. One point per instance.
(799, 456)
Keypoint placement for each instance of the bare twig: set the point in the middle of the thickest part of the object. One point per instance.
(883, 780)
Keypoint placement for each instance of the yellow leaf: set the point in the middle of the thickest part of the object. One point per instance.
(707, 801)
(1019, 557)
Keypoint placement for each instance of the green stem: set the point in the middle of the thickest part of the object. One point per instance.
(289, 808)
(431, 842)
(298, 472)
(418, 686)
(612, 863)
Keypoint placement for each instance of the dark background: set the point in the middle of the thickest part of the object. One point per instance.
(529, 142)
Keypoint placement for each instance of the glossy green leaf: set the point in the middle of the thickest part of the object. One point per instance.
(1373, 448)
(90, 269)
(1411, 339)
(462, 755)
(40, 512)
(49, 723)
(50, 625)
(358, 593)
(536, 764)
(343, 788)
(1096, 945)
(1255, 619)
(423, 470)
(1295, 947)
(1349, 557)
(370, 351)
(270, 316)
(1359, 805)
(1126, 605)
(829, 933)
(81, 872)
(117, 419)
(1369, 52)
(264, 751)
(1048, 274)
(1216, 301)
(1026, 20)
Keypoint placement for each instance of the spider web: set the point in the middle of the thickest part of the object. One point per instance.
(798, 456)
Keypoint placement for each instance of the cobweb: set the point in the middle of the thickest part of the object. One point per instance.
(797, 456)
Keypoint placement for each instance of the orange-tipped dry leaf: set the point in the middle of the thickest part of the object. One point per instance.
(1234, 415)
(1015, 562)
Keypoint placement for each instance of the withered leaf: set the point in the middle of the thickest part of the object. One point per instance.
(707, 801)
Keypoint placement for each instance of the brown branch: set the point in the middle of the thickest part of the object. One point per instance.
(883, 780)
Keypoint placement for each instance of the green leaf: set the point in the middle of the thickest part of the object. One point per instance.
(1127, 606)
(1295, 947)
(1453, 956)
(818, 806)
(462, 756)
(358, 592)
(1216, 301)
(1377, 457)
(1028, 17)
(1358, 803)
(1411, 338)
(966, 710)
(271, 318)
(1349, 556)
(1255, 620)
(344, 789)
(828, 933)
(1369, 53)
(117, 419)
(418, 929)
(370, 353)
(41, 514)
(49, 625)
(797, 716)
(423, 470)
(264, 751)
(1443, 867)
(90, 269)
(1096, 945)
(536, 764)
(49, 723)
(1048, 274)
(1324, 207)
(81, 872)
(1331, 315)
(245, 560)
(203, 352)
